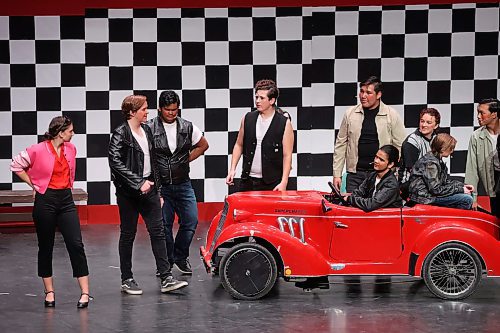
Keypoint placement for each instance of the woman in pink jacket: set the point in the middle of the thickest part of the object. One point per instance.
(49, 168)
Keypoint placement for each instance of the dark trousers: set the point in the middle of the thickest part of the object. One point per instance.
(179, 199)
(355, 179)
(148, 206)
(494, 206)
(256, 184)
(56, 208)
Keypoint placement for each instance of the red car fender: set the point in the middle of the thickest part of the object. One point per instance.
(486, 246)
(299, 259)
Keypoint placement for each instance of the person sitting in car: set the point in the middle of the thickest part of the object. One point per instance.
(381, 188)
(429, 180)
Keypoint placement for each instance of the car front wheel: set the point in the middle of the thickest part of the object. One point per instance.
(248, 271)
(452, 271)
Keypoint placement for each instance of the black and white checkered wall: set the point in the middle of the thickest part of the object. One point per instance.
(443, 56)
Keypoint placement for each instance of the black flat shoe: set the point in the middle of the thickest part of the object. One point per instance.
(83, 305)
(49, 304)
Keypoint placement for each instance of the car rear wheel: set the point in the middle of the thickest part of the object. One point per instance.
(248, 271)
(452, 271)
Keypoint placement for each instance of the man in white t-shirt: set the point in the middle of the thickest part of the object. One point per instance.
(177, 142)
(265, 140)
(482, 149)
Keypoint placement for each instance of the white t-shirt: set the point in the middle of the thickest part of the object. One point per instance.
(171, 131)
(493, 138)
(496, 161)
(143, 142)
(261, 128)
(377, 180)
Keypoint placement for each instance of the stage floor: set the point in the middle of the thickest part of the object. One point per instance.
(204, 306)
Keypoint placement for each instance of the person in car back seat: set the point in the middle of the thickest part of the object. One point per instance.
(416, 145)
(380, 189)
(429, 180)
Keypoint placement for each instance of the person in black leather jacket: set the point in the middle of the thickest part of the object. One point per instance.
(134, 173)
(381, 188)
(177, 142)
(430, 183)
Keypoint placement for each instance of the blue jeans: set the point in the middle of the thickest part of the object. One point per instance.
(459, 200)
(179, 199)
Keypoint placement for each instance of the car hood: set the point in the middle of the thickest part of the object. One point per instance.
(269, 202)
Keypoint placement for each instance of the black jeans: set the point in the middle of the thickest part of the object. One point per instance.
(256, 184)
(148, 206)
(355, 179)
(56, 208)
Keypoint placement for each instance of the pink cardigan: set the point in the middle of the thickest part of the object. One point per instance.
(38, 162)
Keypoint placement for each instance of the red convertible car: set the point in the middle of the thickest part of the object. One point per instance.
(306, 236)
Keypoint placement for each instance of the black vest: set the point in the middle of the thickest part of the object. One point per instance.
(173, 166)
(272, 147)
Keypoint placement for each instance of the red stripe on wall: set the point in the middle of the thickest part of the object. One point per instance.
(108, 214)
(77, 7)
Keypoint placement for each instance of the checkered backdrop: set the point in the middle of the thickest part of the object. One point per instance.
(444, 56)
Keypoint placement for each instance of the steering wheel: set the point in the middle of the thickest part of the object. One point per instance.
(337, 193)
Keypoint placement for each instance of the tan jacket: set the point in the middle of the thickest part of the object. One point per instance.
(480, 161)
(390, 128)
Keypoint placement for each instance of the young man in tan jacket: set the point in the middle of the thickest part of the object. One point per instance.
(365, 127)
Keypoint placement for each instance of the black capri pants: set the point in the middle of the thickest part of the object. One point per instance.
(56, 208)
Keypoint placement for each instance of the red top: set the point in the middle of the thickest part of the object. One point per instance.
(60, 174)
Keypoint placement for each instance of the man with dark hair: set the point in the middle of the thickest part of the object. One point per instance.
(482, 150)
(265, 140)
(380, 189)
(365, 127)
(177, 142)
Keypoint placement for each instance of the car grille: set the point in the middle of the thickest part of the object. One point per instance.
(288, 223)
(220, 225)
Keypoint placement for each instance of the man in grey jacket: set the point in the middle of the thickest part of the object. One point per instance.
(365, 127)
(482, 149)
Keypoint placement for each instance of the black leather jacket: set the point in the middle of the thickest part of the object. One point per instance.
(387, 194)
(429, 179)
(126, 160)
(173, 166)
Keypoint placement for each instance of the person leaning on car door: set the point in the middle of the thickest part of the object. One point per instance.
(365, 127)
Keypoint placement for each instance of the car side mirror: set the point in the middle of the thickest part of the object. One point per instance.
(325, 208)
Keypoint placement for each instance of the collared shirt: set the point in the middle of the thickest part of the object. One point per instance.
(60, 173)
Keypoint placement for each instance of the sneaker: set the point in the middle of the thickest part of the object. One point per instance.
(184, 266)
(170, 284)
(131, 287)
